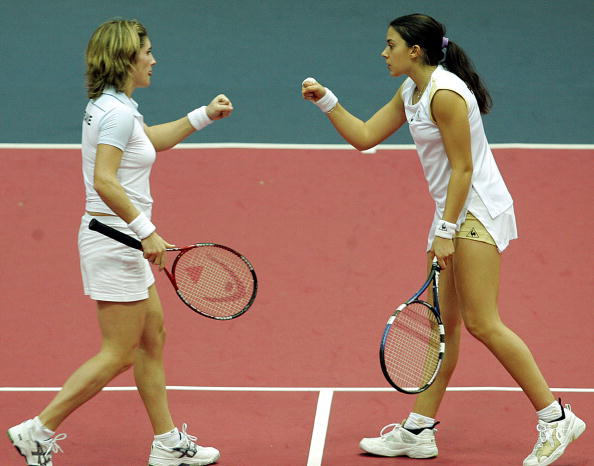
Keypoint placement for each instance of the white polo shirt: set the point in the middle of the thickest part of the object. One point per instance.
(113, 119)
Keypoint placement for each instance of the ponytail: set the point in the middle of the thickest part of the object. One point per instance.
(429, 34)
(458, 63)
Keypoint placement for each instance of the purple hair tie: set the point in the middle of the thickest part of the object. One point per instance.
(444, 42)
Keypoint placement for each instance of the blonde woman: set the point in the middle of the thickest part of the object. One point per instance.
(118, 150)
(442, 101)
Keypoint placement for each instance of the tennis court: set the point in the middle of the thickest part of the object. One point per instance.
(337, 239)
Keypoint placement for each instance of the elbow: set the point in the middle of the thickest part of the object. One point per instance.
(101, 185)
(362, 147)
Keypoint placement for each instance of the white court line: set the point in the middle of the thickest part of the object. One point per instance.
(318, 435)
(294, 389)
(324, 405)
(240, 145)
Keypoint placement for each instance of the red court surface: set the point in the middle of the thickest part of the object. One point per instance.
(337, 240)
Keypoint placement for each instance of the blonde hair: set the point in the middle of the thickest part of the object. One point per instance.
(111, 52)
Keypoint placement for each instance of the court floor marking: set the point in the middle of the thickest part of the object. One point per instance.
(323, 407)
(294, 389)
(240, 145)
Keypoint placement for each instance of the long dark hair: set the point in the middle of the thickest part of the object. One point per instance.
(427, 33)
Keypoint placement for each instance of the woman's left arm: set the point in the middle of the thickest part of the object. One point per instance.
(451, 115)
(167, 135)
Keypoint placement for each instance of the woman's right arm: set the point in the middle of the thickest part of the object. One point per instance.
(107, 186)
(361, 135)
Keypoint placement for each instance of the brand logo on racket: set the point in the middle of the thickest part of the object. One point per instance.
(233, 287)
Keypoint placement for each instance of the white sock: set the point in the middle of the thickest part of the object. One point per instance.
(418, 421)
(551, 413)
(169, 439)
(40, 432)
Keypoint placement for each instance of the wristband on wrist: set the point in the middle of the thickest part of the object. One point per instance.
(142, 226)
(445, 229)
(199, 118)
(327, 103)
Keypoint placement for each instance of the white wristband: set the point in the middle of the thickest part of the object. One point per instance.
(445, 229)
(327, 103)
(142, 226)
(199, 118)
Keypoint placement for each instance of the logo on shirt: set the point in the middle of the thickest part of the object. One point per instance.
(87, 118)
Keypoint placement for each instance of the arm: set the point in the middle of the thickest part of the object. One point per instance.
(361, 135)
(105, 182)
(167, 135)
(451, 115)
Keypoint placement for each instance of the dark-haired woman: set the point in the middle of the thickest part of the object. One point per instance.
(118, 151)
(442, 101)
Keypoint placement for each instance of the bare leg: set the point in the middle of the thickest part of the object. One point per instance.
(427, 403)
(148, 367)
(477, 283)
(121, 326)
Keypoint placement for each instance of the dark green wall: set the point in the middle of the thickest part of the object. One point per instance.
(535, 56)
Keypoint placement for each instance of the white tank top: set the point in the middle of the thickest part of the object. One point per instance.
(487, 181)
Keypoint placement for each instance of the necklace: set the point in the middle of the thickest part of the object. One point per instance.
(426, 75)
(419, 92)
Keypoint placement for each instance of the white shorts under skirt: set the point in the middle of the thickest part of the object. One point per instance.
(110, 270)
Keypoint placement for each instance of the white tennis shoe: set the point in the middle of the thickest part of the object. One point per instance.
(185, 453)
(35, 452)
(402, 442)
(553, 438)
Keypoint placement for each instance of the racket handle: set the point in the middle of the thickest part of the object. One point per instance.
(112, 233)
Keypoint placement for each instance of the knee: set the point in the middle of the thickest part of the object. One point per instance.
(482, 330)
(120, 359)
(155, 341)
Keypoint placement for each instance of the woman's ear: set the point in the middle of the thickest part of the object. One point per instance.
(415, 51)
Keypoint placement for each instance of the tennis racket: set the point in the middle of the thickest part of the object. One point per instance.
(413, 343)
(212, 280)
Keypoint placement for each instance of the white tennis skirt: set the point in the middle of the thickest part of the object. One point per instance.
(502, 229)
(110, 270)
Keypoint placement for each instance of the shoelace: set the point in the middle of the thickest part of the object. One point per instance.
(52, 444)
(394, 426)
(545, 434)
(184, 433)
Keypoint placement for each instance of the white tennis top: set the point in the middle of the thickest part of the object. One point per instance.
(487, 181)
(113, 119)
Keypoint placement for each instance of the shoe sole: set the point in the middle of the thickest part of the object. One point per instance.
(398, 453)
(214, 460)
(395, 453)
(188, 464)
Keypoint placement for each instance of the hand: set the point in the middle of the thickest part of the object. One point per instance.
(220, 107)
(154, 248)
(312, 90)
(443, 249)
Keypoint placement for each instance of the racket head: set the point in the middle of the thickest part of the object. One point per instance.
(412, 347)
(214, 280)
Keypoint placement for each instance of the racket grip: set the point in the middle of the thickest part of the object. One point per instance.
(114, 234)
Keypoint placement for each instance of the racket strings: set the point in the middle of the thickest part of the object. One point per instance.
(214, 281)
(412, 347)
